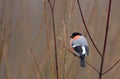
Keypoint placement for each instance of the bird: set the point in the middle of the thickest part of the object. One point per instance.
(79, 46)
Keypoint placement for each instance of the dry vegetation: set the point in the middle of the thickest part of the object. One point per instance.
(34, 39)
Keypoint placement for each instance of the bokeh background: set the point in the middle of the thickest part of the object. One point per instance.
(27, 42)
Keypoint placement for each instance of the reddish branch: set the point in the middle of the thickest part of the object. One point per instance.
(55, 44)
(111, 67)
(87, 29)
(85, 61)
(105, 41)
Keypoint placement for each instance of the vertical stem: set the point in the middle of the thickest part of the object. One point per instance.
(54, 35)
(64, 63)
(64, 45)
(54, 3)
(48, 40)
(3, 28)
(55, 44)
(105, 41)
(87, 29)
(2, 43)
(36, 63)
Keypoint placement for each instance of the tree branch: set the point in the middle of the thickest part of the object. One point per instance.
(87, 29)
(106, 37)
(111, 67)
(54, 36)
(51, 7)
(85, 61)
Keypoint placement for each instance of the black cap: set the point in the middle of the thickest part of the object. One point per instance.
(74, 34)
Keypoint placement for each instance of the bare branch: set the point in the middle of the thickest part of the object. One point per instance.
(85, 61)
(51, 7)
(87, 29)
(111, 67)
(105, 40)
(48, 41)
(64, 45)
(54, 36)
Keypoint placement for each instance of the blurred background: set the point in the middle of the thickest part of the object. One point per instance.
(27, 42)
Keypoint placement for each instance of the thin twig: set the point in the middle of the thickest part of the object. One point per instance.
(54, 33)
(51, 7)
(54, 3)
(70, 14)
(66, 32)
(87, 29)
(111, 67)
(37, 65)
(48, 40)
(85, 61)
(105, 41)
(2, 43)
(64, 45)
(64, 63)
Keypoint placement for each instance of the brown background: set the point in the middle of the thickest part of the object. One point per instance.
(26, 29)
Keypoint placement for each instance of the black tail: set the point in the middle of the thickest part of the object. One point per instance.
(82, 61)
